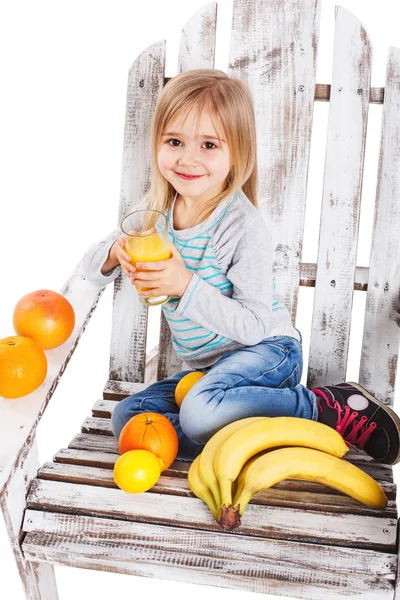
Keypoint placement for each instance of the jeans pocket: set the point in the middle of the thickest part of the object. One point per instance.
(292, 380)
(277, 355)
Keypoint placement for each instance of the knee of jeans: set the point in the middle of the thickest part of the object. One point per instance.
(195, 417)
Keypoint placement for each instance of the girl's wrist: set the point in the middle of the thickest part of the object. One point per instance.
(110, 263)
(188, 277)
(112, 255)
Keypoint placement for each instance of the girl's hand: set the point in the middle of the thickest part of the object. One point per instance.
(119, 254)
(164, 277)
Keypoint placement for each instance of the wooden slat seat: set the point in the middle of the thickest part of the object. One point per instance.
(80, 480)
(200, 556)
(74, 500)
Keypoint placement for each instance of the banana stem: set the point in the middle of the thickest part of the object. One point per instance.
(230, 517)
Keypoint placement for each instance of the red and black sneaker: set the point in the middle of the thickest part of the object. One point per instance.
(362, 420)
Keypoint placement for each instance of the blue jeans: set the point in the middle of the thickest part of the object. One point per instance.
(260, 380)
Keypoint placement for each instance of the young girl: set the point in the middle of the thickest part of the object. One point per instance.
(224, 317)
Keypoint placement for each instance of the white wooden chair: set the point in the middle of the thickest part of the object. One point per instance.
(297, 539)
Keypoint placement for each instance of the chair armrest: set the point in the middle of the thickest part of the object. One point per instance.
(20, 417)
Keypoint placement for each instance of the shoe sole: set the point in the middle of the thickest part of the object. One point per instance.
(385, 407)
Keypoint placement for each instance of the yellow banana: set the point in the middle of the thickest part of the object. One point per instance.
(234, 488)
(309, 465)
(200, 490)
(269, 433)
(242, 476)
(206, 468)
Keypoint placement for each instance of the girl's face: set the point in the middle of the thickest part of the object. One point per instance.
(185, 151)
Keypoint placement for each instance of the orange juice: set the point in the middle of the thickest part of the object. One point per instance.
(149, 248)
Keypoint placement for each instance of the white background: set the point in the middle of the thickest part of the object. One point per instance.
(64, 68)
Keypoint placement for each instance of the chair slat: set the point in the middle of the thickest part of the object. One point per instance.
(179, 468)
(107, 443)
(102, 443)
(338, 236)
(261, 521)
(129, 327)
(106, 460)
(97, 425)
(178, 486)
(273, 50)
(197, 50)
(118, 390)
(197, 47)
(225, 560)
(381, 335)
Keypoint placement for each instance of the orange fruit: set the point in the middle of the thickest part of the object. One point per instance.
(153, 432)
(23, 366)
(137, 471)
(44, 316)
(186, 384)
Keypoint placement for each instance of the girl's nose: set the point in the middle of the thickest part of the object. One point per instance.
(188, 157)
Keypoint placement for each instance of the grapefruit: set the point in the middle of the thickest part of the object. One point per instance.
(44, 316)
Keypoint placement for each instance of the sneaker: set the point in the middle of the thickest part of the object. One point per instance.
(361, 420)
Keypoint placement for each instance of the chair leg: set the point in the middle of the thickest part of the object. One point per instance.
(38, 579)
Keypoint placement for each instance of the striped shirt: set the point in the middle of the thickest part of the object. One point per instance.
(231, 301)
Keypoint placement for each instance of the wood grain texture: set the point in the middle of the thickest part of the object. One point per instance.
(308, 275)
(197, 46)
(107, 443)
(381, 336)
(202, 557)
(168, 361)
(338, 235)
(322, 93)
(129, 325)
(273, 50)
(178, 486)
(118, 390)
(19, 420)
(355, 531)
(37, 578)
(179, 469)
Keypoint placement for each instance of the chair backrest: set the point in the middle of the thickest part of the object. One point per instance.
(274, 50)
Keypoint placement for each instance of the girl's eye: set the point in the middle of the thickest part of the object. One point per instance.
(173, 140)
(169, 142)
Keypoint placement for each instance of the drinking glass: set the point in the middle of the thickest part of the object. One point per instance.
(146, 237)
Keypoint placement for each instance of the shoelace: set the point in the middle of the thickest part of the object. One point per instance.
(344, 419)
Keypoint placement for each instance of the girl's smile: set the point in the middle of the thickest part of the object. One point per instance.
(189, 177)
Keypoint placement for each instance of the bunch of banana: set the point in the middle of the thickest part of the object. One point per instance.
(201, 476)
(252, 454)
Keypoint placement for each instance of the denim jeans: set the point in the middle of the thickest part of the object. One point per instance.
(260, 380)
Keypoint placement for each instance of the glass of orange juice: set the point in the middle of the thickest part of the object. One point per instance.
(146, 237)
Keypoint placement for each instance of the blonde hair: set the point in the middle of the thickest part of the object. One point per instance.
(231, 108)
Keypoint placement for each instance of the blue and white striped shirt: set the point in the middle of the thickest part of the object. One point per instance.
(231, 301)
